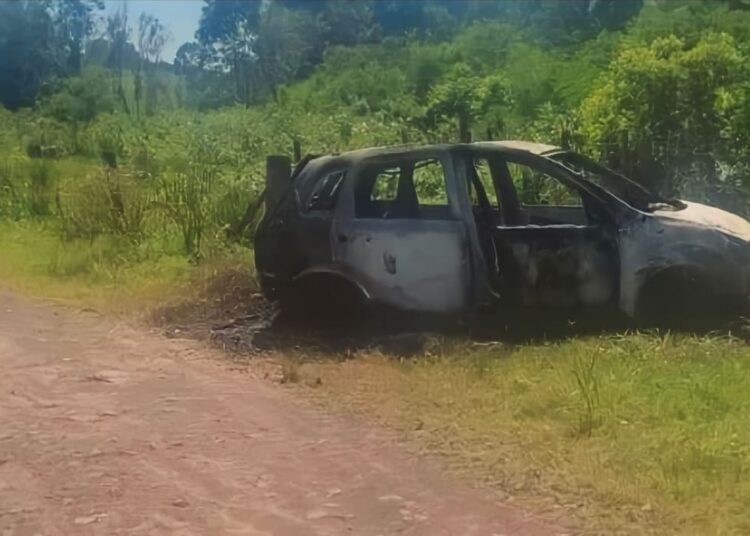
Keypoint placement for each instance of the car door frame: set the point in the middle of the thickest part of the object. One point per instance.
(350, 233)
(592, 248)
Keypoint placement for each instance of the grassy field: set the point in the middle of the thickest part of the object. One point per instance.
(634, 433)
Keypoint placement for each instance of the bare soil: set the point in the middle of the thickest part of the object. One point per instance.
(108, 429)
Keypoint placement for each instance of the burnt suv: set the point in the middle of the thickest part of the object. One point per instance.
(454, 228)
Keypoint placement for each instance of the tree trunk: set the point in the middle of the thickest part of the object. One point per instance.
(138, 90)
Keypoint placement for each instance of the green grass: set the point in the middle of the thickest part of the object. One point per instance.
(639, 433)
(108, 273)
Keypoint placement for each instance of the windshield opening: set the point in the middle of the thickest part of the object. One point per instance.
(618, 185)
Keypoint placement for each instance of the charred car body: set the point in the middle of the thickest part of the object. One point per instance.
(454, 228)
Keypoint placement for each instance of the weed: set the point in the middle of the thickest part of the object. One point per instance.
(108, 272)
(105, 202)
(41, 177)
(185, 199)
(11, 201)
(587, 383)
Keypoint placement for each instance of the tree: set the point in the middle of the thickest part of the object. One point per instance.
(26, 51)
(325, 23)
(403, 16)
(573, 21)
(189, 57)
(152, 36)
(464, 97)
(220, 18)
(118, 33)
(227, 30)
(204, 87)
(281, 47)
(79, 99)
(74, 23)
(40, 39)
(258, 42)
(662, 111)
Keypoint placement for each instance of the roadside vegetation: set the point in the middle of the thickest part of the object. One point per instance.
(127, 182)
(121, 159)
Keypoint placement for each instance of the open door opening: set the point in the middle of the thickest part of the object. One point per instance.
(542, 240)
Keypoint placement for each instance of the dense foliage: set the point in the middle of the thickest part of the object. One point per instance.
(101, 138)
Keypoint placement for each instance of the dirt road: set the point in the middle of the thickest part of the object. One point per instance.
(105, 429)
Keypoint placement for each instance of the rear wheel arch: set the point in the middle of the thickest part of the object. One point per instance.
(326, 291)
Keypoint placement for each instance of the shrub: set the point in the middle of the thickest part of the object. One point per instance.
(108, 202)
(658, 113)
(184, 198)
(40, 187)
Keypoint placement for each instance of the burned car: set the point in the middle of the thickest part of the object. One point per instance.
(460, 227)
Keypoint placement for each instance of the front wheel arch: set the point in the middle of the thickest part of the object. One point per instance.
(675, 295)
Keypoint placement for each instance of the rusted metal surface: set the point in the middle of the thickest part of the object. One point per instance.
(462, 254)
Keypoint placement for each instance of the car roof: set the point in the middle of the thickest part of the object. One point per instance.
(350, 157)
(519, 146)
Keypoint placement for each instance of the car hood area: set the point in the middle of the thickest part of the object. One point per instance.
(707, 216)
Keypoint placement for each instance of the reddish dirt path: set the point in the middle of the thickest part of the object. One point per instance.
(105, 429)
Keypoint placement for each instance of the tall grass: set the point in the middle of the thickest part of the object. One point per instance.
(103, 202)
(109, 273)
(587, 383)
(41, 183)
(185, 199)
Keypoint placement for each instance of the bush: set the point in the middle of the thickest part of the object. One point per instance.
(184, 198)
(11, 202)
(46, 138)
(40, 187)
(660, 112)
(107, 202)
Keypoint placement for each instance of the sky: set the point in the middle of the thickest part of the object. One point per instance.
(180, 17)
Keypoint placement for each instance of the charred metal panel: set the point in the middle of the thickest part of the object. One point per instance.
(699, 215)
(278, 173)
(560, 265)
(314, 238)
(651, 244)
(417, 264)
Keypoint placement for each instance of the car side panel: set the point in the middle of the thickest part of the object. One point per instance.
(411, 264)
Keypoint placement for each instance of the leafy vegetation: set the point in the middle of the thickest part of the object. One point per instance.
(120, 144)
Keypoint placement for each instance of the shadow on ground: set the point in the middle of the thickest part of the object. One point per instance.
(238, 319)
